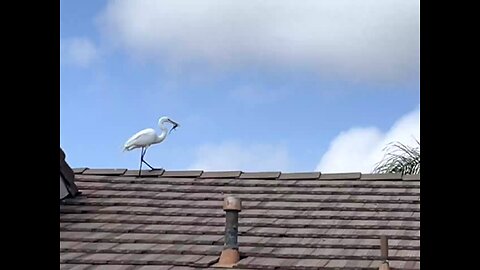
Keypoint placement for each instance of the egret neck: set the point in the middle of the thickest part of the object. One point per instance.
(162, 136)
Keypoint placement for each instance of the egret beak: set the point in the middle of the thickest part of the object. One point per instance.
(175, 125)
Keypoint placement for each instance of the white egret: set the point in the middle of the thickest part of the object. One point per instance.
(145, 138)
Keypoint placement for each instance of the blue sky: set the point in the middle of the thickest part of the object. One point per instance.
(257, 85)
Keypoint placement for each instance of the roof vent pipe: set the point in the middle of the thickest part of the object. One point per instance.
(230, 255)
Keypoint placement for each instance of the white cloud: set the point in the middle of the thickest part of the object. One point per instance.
(237, 156)
(361, 39)
(359, 149)
(80, 52)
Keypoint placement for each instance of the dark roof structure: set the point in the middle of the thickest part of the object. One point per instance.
(175, 220)
(67, 179)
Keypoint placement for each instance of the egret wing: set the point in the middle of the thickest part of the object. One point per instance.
(142, 138)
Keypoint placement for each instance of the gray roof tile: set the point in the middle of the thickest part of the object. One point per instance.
(340, 176)
(409, 177)
(104, 171)
(182, 174)
(221, 174)
(259, 175)
(175, 220)
(381, 176)
(300, 176)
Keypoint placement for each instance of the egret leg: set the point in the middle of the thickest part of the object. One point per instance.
(141, 161)
(148, 165)
(143, 154)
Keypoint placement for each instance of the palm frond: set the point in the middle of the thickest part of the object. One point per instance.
(399, 158)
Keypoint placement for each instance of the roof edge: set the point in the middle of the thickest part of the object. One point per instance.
(313, 175)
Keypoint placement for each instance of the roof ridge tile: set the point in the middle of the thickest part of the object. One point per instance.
(411, 177)
(182, 173)
(341, 176)
(79, 170)
(221, 174)
(381, 176)
(299, 175)
(104, 171)
(260, 175)
(145, 173)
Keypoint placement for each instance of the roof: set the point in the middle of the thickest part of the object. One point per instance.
(67, 178)
(174, 220)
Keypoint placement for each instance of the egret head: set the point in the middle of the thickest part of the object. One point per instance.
(167, 119)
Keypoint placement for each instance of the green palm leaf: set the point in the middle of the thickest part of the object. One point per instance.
(399, 158)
